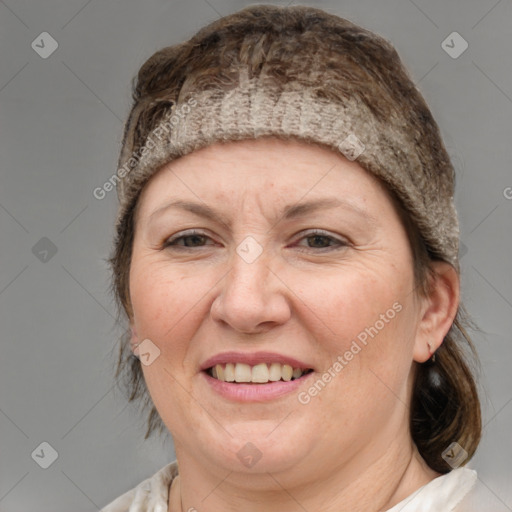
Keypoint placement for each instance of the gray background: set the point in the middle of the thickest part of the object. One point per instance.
(61, 127)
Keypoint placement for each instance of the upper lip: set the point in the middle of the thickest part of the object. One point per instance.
(253, 359)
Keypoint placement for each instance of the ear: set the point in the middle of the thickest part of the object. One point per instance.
(134, 339)
(438, 310)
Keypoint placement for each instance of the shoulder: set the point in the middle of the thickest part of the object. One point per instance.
(446, 493)
(489, 494)
(151, 495)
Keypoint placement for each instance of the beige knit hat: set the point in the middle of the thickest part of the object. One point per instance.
(294, 73)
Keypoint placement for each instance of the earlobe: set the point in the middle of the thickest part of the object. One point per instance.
(439, 311)
(134, 343)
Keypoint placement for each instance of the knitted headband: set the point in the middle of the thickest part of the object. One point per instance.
(294, 73)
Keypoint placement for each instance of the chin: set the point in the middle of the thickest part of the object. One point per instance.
(260, 447)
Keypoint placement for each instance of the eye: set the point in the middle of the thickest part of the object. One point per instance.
(319, 238)
(191, 239)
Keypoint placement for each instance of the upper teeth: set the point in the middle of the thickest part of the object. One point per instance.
(260, 373)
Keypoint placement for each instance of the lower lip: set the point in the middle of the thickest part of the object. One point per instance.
(254, 392)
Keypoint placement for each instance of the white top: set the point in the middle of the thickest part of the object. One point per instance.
(443, 494)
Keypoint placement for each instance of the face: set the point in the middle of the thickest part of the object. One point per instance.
(250, 281)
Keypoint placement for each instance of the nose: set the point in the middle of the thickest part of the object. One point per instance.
(253, 296)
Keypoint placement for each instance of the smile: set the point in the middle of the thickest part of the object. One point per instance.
(261, 373)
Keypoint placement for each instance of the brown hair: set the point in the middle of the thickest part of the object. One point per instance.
(445, 406)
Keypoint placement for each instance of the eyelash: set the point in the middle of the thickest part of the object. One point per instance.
(317, 232)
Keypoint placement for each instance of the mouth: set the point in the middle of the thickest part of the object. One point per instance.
(261, 373)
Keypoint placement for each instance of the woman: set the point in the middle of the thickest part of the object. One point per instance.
(287, 259)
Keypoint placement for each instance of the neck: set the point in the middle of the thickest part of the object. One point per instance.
(356, 486)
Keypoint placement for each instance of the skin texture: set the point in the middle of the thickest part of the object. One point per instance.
(349, 448)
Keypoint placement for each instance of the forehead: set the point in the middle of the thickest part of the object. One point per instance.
(261, 171)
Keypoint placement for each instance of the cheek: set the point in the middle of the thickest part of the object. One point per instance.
(167, 308)
(153, 294)
(151, 300)
(367, 317)
(167, 303)
(366, 337)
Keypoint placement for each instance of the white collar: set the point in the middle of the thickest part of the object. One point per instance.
(442, 494)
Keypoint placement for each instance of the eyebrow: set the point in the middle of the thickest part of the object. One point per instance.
(290, 211)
